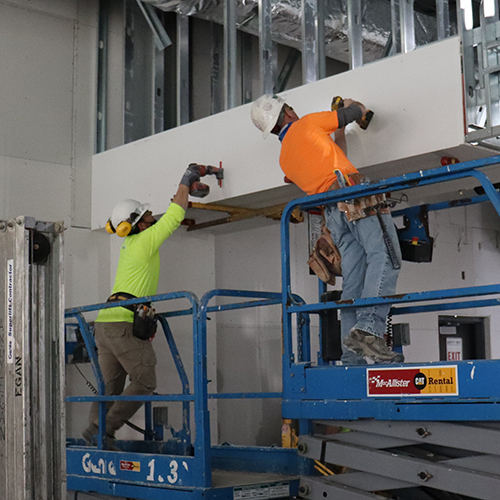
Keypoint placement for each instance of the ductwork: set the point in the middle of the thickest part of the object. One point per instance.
(286, 18)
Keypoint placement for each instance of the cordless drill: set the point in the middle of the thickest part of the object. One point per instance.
(200, 190)
(338, 103)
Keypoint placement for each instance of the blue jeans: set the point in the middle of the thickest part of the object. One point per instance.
(366, 272)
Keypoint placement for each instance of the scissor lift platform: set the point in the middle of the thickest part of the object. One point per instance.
(154, 476)
(444, 391)
(156, 468)
(409, 428)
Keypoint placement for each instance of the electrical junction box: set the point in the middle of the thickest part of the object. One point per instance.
(401, 333)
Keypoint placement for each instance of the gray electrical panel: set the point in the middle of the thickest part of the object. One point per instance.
(32, 415)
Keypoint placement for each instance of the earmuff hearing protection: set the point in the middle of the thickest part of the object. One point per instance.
(123, 229)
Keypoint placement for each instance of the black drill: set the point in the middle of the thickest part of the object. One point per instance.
(200, 190)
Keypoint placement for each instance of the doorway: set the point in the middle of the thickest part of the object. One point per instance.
(461, 337)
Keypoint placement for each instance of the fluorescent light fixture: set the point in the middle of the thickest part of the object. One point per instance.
(489, 8)
(466, 6)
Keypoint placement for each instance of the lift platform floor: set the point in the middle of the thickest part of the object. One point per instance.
(150, 476)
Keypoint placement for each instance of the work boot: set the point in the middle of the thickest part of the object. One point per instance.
(90, 435)
(371, 346)
(111, 443)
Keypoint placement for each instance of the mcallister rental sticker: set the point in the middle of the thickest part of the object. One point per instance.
(129, 465)
(413, 381)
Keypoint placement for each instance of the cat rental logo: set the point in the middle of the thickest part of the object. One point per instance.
(413, 381)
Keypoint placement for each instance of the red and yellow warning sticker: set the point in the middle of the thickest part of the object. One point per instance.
(128, 465)
(413, 381)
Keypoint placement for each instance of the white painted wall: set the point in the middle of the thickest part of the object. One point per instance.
(48, 51)
(47, 103)
(249, 341)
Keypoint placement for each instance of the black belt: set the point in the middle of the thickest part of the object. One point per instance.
(116, 297)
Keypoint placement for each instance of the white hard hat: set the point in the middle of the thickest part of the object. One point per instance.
(266, 111)
(125, 216)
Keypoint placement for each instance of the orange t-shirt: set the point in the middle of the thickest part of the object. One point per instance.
(309, 155)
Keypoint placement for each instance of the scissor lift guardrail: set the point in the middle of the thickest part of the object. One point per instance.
(150, 469)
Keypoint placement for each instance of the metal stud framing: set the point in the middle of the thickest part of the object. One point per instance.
(481, 65)
(355, 34)
(216, 74)
(266, 51)
(230, 54)
(183, 94)
(407, 14)
(443, 18)
(313, 41)
(102, 77)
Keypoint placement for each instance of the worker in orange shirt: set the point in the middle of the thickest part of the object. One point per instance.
(362, 229)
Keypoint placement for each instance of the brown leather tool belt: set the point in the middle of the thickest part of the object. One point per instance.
(364, 206)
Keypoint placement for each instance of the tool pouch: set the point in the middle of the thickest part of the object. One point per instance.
(364, 206)
(145, 321)
(325, 260)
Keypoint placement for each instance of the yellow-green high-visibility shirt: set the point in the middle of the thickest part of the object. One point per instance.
(138, 269)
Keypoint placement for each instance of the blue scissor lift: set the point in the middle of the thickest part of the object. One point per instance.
(415, 431)
(180, 467)
(409, 431)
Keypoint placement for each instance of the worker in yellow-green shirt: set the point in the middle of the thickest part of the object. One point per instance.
(124, 345)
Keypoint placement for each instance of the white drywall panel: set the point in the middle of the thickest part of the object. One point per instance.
(416, 97)
(36, 79)
(86, 281)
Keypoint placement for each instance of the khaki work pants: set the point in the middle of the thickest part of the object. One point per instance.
(121, 354)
